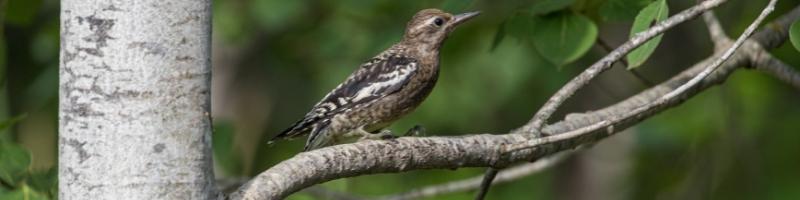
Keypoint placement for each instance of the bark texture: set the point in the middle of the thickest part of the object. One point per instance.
(134, 100)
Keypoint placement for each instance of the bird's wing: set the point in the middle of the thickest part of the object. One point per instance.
(379, 77)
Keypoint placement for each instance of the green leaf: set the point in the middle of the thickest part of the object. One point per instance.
(224, 154)
(498, 36)
(44, 181)
(622, 10)
(14, 162)
(25, 193)
(794, 34)
(563, 37)
(648, 17)
(543, 7)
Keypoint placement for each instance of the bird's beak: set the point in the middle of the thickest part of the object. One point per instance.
(461, 18)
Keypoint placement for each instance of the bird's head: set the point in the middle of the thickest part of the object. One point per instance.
(430, 27)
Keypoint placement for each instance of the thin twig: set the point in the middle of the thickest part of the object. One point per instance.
(728, 53)
(603, 64)
(715, 31)
(667, 97)
(507, 175)
(606, 47)
(488, 177)
(776, 32)
(490, 174)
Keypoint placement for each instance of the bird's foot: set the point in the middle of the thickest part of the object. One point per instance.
(382, 135)
(417, 130)
(386, 135)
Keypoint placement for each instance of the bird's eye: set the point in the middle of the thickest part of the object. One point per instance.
(438, 21)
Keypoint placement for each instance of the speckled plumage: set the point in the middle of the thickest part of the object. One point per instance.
(382, 90)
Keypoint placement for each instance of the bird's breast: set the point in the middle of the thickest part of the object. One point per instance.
(420, 87)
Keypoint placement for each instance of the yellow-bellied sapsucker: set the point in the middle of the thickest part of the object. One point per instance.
(385, 88)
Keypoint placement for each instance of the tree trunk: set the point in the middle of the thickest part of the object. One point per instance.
(134, 100)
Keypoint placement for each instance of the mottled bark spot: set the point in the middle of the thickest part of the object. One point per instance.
(84, 110)
(112, 7)
(91, 51)
(184, 58)
(99, 36)
(158, 148)
(78, 146)
(186, 20)
(150, 48)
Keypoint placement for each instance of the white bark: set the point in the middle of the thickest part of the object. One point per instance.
(134, 100)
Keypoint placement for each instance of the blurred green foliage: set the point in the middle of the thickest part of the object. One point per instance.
(17, 179)
(227, 159)
(544, 7)
(622, 10)
(274, 59)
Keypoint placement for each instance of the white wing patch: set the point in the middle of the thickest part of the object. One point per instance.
(388, 80)
(342, 100)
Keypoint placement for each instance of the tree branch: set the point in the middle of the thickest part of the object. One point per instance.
(768, 64)
(775, 33)
(544, 113)
(660, 101)
(486, 182)
(715, 31)
(504, 176)
(603, 64)
(484, 150)
(606, 47)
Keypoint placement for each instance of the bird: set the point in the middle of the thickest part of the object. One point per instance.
(383, 89)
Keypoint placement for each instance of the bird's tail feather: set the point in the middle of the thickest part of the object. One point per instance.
(297, 129)
(318, 136)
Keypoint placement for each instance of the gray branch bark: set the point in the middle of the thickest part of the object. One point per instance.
(134, 100)
(715, 31)
(777, 68)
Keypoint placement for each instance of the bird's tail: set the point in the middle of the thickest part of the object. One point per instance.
(297, 129)
(283, 135)
(318, 136)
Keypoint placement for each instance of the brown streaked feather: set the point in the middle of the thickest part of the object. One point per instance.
(379, 77)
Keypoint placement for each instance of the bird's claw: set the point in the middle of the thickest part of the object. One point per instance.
(417, 130)
(382, 135)
(388, 137)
